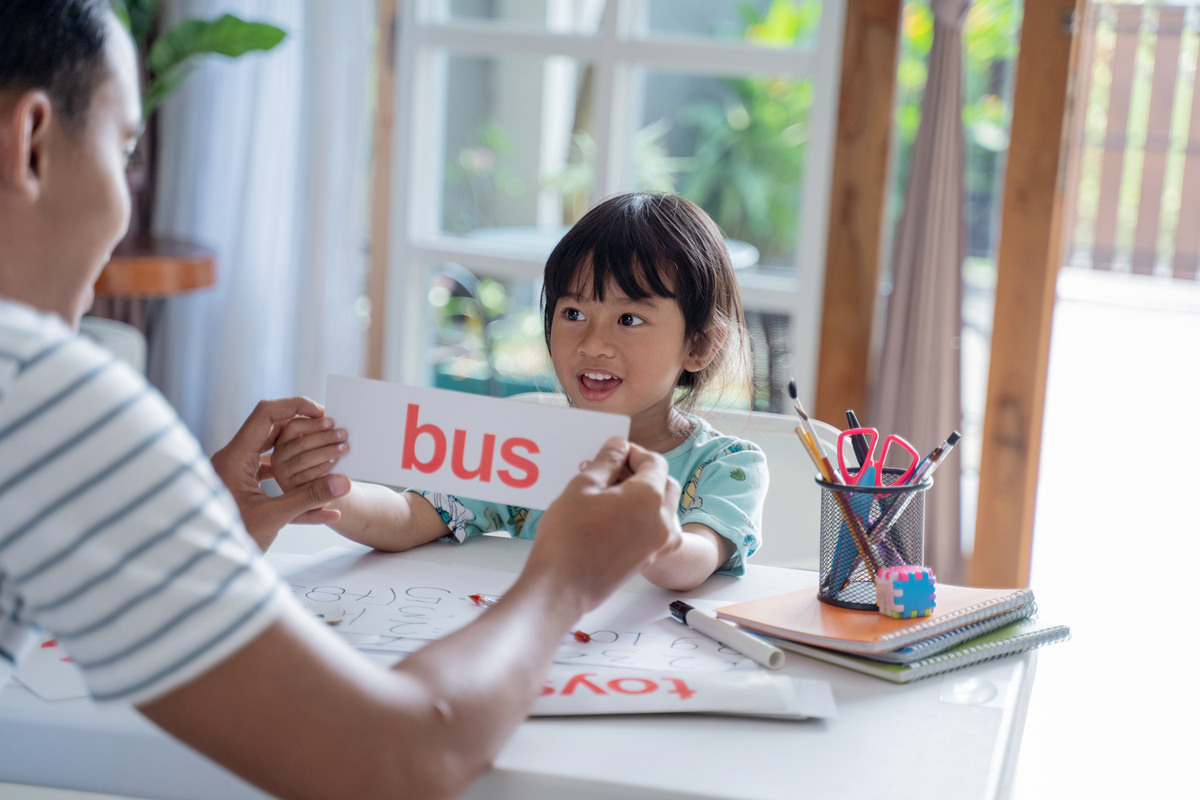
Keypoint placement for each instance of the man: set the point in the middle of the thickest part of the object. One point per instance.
(116, 534)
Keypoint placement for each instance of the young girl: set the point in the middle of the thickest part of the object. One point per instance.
(641, 313)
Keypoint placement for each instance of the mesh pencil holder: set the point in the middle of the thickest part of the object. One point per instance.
(890, 518)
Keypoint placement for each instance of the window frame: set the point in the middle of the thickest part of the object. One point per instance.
(618, 52)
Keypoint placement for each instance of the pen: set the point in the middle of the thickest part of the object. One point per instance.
(858, 441)
(925, 469)
(930, 462)
(489, 600)
(728, 634)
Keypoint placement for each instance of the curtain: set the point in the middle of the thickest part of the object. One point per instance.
(917, 392)
(264, 159)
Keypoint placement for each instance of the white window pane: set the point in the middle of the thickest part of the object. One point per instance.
(487, 335)
(733, 146)
(771, 338)
(579, 17)
(509, 125)
(763, 23)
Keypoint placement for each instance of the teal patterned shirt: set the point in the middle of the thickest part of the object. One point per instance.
(724, 482)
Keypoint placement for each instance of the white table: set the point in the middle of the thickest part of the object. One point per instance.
(950, 736)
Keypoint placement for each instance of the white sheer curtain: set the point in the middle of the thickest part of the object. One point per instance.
(264, 159)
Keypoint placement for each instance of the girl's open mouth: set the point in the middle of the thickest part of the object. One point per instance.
(597, 385)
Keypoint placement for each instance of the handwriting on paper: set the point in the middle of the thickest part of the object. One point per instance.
(394, 604)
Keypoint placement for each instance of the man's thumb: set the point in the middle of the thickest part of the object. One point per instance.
(314, 494)
(605, 468)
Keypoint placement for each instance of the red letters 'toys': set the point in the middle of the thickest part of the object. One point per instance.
(629, 685)
(413, 430)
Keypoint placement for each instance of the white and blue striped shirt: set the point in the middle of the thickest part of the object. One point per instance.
(116, 535)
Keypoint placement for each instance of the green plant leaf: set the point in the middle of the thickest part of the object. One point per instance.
(227, 36)
(160, 87)
(137, 16)
(122, 13)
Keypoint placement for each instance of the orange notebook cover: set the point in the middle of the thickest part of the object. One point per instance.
(800, 617)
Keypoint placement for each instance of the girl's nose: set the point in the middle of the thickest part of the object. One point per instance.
(594, 343)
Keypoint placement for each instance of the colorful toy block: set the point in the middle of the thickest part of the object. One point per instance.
(905, 592)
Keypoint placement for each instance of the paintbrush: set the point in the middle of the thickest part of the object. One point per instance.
(809, 436)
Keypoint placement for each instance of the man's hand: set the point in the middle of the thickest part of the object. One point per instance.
(616, 515)
(243, 468)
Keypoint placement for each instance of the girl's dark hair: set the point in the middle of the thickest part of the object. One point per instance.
(655, 245)
(57, 46)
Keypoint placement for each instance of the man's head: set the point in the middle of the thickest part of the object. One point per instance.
(69, 118)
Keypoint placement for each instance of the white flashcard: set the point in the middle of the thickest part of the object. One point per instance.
(568, 691)
(485, 448)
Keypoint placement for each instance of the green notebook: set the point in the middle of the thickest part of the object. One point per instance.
(1016, 637)
(947, 641)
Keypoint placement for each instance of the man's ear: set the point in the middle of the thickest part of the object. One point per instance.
(24, 132)
(704, 348)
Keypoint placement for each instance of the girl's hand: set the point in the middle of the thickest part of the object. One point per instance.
(306, 449)
(242, 466)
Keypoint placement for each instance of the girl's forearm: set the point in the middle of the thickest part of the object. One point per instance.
(385, 519)
(700, 553)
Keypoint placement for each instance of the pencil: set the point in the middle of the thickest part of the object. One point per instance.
(831, 475)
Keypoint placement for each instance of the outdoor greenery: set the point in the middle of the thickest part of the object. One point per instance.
(747, 164)
(483, 168)
(990, 37)
(749, 159)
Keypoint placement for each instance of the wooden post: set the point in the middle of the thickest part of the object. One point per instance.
(1027, 266)
(857, 204)
(381, 189)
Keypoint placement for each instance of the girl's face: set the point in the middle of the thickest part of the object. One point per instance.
(622, 356)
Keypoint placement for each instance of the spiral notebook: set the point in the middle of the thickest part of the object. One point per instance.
(800, 617)
(939, 644)
(1015, 637)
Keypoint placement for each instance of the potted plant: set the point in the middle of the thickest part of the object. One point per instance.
(166, 58)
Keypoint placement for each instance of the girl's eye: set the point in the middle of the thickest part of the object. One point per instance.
(631, 320)
(573, 314)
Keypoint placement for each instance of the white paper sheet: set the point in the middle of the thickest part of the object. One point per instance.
(397, 605)
(48, 671)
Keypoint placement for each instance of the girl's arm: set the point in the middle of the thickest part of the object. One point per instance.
(374, 515)
(385, 519)
(690, 559)
(727, 493)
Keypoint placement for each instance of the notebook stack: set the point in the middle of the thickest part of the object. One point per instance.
(968, 626)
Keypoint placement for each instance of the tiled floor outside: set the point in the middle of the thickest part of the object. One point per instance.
(1115, 539)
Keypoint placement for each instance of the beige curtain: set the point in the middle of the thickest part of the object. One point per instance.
(917, 392)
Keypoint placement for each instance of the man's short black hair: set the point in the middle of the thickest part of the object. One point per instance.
(56, 46)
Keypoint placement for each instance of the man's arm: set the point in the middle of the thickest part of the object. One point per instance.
(299, 714)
